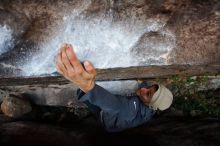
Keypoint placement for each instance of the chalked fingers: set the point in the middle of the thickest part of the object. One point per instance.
(90, 69)
(66, 62)
(73, 59)
(61, 68)
(71, 68)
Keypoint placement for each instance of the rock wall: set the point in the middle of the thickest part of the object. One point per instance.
(186, 32)
(161, 131)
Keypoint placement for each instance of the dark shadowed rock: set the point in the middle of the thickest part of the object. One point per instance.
(161, 131)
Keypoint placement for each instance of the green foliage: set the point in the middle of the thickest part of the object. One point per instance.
(189, 96)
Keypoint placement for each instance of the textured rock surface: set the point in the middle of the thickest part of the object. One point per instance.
(196, 23)
(190, 28)
(15, 107)
(161, 131)
(193, 38)
(65, 94)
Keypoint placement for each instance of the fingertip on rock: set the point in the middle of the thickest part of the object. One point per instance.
(86, 63)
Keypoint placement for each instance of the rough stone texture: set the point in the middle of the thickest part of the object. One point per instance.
(15, 107)
(14, 20)
(195, 24)
(46, 95)
(114, 74)
(153, 40)
(161, 131)
(3, 94)
(65, 94)
(0, 111)
(31, 27)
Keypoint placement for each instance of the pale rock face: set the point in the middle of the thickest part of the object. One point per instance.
(109, 33)
(6, 40)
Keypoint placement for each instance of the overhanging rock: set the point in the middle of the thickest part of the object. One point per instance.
(152, 33)
(56, 90)
(130, 73)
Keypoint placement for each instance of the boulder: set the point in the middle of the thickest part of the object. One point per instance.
(14, 106)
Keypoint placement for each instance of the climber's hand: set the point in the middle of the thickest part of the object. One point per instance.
(70, 67)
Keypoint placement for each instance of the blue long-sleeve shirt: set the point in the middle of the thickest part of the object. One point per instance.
(117, 112)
